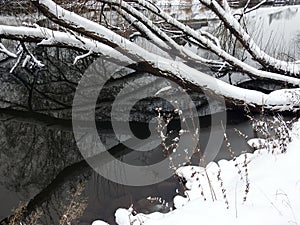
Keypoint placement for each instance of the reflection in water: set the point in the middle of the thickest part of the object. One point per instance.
(40, 163)
(32, 155)
(44, 164)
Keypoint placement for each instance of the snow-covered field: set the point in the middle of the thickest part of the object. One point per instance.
(260, 188)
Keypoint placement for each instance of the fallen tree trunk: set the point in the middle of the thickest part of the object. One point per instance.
(100, 40)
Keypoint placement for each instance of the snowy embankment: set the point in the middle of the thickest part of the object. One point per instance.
(260, 188)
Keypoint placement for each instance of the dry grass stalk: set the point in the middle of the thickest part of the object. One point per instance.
(75, 208)
(19, 217)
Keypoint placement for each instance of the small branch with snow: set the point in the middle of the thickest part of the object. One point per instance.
(35, 61)
(256, 6)
(163, 90)
(249, 44)
(214, 48)
(82, 56)
(5, 51)
(17, 62)
(26, 61)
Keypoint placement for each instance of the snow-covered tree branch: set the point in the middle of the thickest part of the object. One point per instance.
(256, 52)
(93, 38)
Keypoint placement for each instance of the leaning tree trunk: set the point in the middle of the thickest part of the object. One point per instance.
(94, 38)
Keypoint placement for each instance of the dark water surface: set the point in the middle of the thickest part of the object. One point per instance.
(43, 166)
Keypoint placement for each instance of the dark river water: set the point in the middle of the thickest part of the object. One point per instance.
(47, 167)
(40, 163)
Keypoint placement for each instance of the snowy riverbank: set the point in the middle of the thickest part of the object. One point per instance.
(273, 197)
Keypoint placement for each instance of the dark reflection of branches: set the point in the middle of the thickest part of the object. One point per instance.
(31, 156)
(51, 199)
(64, 202)
(52, 87)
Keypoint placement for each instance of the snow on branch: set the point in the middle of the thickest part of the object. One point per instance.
(5, 51)
(30, 56)
(82, 56)
(156, 34)
(217, 50)
(47, 37)
(155, 64)
(257, 53)
(100, 33)
(17, 62)
(140, 22)
(246, 10)
(284, 99)
(160, 66)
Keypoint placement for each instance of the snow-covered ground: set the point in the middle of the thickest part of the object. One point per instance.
(265, 191)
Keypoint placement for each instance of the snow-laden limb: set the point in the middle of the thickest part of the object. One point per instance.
(100, 33)
(256, 52)
(47, 37)
(289, 97)
(36, 62)
(157, 35)
(26, 61)
(160, 66)
(246, 10)
(217, 50)
(5, 51)
(212, 37)
(17, 62)
(163, 90)
(142, 24)
(82, 56)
